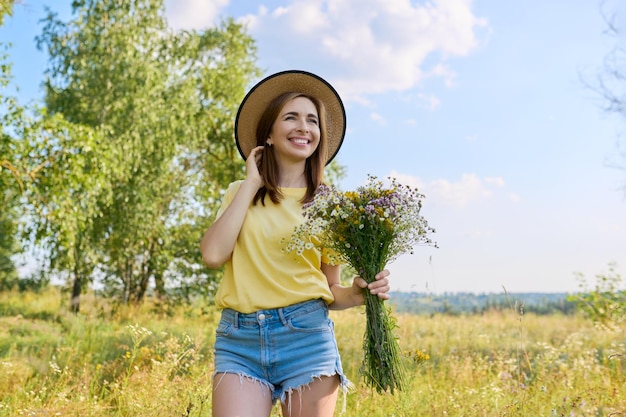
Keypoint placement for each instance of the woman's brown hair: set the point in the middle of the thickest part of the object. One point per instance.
(268, 166)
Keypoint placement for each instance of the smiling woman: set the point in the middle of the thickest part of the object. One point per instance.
(275, 305)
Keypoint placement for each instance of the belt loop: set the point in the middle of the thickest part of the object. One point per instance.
(282, 316)
(236, 319)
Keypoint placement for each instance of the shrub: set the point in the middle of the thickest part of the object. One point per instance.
(605, 304)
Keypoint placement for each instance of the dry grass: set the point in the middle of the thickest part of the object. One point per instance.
(140, 362)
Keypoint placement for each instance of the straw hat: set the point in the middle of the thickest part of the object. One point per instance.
(258, 98)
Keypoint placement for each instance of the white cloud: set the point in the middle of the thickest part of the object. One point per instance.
(429, 101)
(372, 46)
(378, 118)
(497, 181)
(445, 72)
(193, 14)
(458, 194)
(409, 180)
(514, 197)
(469, 189)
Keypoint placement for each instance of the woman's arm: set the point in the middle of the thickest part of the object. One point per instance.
(347, 297)
(219, 240)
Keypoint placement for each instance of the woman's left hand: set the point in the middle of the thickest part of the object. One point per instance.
(379, 287)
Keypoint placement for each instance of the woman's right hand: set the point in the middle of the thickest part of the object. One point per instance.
(252, 167)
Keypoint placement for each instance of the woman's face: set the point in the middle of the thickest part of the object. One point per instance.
(295, 133)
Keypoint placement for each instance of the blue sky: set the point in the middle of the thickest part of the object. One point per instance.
(481, 104)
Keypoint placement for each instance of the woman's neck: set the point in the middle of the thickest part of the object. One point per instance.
(292, 176)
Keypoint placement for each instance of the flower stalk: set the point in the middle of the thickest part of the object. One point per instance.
(382, 366)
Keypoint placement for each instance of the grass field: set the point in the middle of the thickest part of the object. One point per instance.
(151, 361)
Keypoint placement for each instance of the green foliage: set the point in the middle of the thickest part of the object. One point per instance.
(334, 173)
(10, 186)
(605, 303)
(140, 145)
(6, 8)
(9, 245)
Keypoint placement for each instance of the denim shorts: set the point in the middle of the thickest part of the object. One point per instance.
(284, 349)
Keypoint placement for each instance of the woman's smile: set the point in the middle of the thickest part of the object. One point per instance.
(299, 141)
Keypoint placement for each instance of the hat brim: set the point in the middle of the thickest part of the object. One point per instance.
(266, 90)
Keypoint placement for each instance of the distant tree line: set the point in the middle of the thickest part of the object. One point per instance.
(602, 299)
(470, 303)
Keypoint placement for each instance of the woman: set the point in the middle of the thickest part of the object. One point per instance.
(275, 340)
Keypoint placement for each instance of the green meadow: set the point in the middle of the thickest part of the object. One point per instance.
(156, 360)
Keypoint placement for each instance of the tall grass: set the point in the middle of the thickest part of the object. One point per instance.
(151, 361)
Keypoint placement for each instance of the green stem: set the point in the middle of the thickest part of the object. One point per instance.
(382, 365)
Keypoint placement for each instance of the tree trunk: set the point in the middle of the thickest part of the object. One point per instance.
(141, 290)
(76, 290)
(128, 281)
(159, 283)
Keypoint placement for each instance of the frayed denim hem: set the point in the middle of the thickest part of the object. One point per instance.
(242, 375)
(344, 384)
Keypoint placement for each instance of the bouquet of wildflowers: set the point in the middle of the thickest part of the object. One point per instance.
(367, 229)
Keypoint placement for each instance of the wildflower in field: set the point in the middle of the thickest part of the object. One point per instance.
(367, 229)
(55, 367)
(138, 333)
(417, 356)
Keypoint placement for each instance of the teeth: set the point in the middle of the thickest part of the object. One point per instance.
(300, 141)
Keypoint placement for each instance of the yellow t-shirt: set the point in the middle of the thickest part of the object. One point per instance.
(259, 275)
